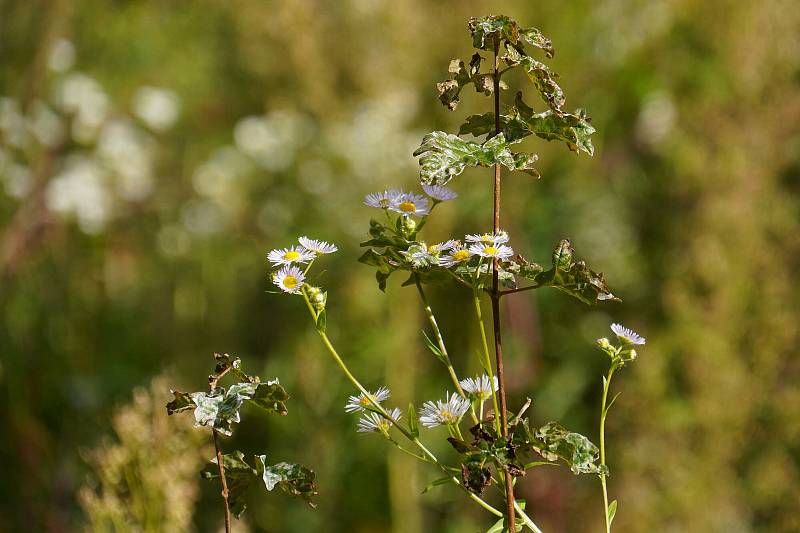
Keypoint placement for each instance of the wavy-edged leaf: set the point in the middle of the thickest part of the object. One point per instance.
(484, 31)
(271, 397)
(543, 79)
(220, 407)
(553, 442)
(293, 479)
(575, 129)
(443, 156)
(182, 402)
(571, 277)
(462, 75)
(239, 476)
(535, 38)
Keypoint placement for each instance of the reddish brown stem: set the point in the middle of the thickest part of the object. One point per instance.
(224, 484)
(495, 295)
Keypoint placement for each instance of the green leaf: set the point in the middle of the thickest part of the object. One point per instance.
(543, 79)
(612, 511)
(554, 442)
(573, 278)
(475, 476)
(485, 30)
(535, 38)
(239, 476)
(182, 402)
(226, 363)
(271, 396)
(443, 156)
(479, 125)
(413, 423)
(435, 350)
(293, 479)
(436, 483)
(219, 408)
(574, 129)
(322, 321)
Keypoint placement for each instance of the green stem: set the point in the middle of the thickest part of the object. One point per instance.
(603, 413)
(379, 408)
(487, 361)
(440, 342)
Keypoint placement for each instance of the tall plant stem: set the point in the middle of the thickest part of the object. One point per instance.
(440, 342)
(603, 413)
(379, 408)
(487, 362)
(224, 483)
(495, 295)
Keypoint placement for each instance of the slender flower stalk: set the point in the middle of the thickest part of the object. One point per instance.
(603, 413)
(415, 440)
(224, 482)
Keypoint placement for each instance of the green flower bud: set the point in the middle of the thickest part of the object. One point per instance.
(604, 343)
(408, 225)
(317, 297)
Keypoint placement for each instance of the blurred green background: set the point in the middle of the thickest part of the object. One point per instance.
(152, 152)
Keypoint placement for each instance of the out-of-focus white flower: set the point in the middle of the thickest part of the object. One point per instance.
(45, 124)
(445, 412)
(480, 387)
(376, 423)
(626, 335)
(363, 402)
(501, 251)
(62, 56)
(12, 123)
(382, 200)
(317, 247)
(83, 97)
(501, 237)
(273, 140)
(439, 193)
(457, 255)
(287, 256)
(81, 190)
(17, 179)
(128, 151)
(289, 279)
(157, 107)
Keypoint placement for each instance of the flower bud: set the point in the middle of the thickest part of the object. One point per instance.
(604, 343)
(317, 297)
(408, 225)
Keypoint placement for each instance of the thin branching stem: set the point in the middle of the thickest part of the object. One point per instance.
(224, 483)
(495, 296)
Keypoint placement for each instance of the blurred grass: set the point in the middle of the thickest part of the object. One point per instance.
(690, 207)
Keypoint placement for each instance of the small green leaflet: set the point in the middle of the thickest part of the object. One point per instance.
(612, 511)
(413, 424)
(293, 479)
(554, 442)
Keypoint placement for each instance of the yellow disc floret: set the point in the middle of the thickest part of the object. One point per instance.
(407, 207)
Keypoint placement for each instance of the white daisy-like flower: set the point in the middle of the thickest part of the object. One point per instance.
(626, 335)
(376, 423)
(290, 279)
(501, 237)
(439, 193)
(362, 402)
(382, 200)
(457, 254)
(287, 256)
(317, 247)
(409, 203)
(436, 249)
(444, 412)
(419, 255)
(480, 387)
(501, 251)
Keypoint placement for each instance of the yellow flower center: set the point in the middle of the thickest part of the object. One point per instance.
(432, 249)
(365, 400)
(447, 415)
(290, 282)
(486, 238)
(490, 250)
(407, 207)
(461, 255)
(291, 255)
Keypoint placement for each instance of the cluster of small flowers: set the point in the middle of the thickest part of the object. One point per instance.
(371, 421)
(453, 253)
(408, 203)
(290, 278)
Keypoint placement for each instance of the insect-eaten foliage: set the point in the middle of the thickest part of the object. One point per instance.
(443, 156)
(219, 408)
